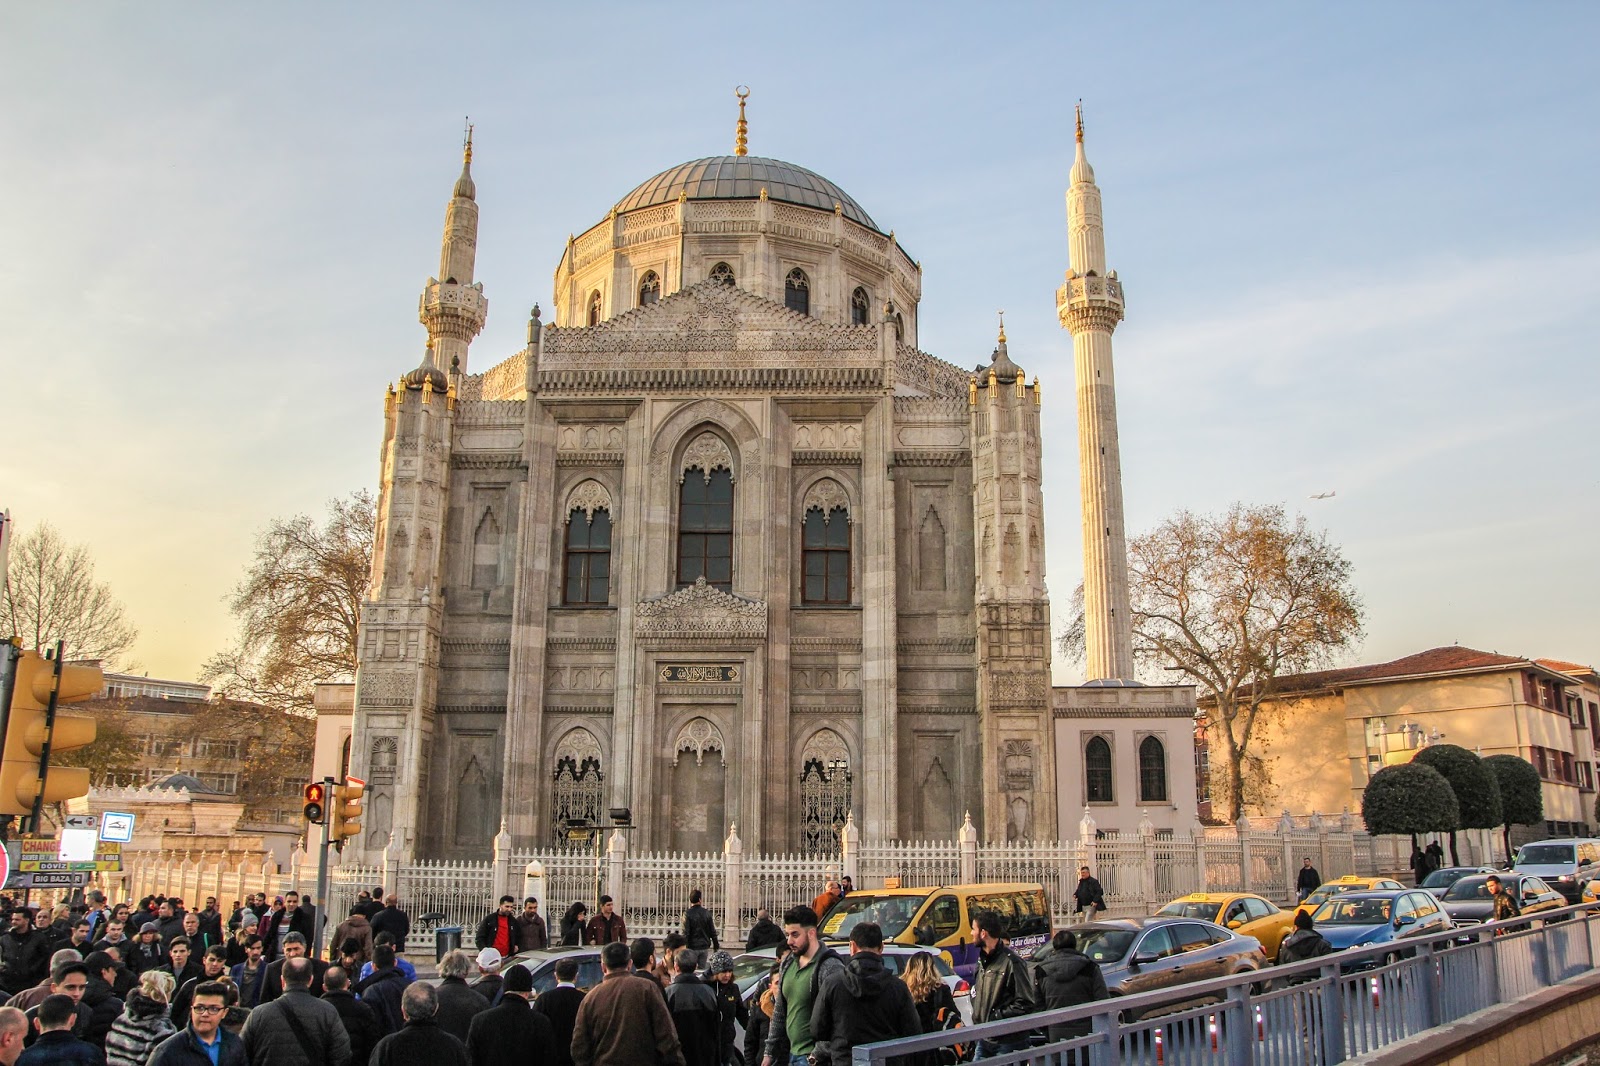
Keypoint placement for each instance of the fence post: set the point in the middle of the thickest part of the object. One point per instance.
(1322, 848)
(269, 875)
(535, 885)
(733, 885)
(1242, 829)
(967, 844)
(391, 867)
(616, 863)
(1086, 849)
(1286, 832)
(501, 875)
(1332, 1001)
(1147, 869)
(850, 849)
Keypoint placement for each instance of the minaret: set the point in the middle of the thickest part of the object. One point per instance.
(1090, 306)
(453, 307)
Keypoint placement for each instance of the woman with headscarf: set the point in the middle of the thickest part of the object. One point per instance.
(573, 925)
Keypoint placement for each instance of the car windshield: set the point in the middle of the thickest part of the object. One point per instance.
(1445, 878)
(1327, 892)
(892, 913)
(896, 962)
(1467, 888)
(1105, 945)
(1545, 854)
(748, 969)
(1358, 911)
(1181, 908)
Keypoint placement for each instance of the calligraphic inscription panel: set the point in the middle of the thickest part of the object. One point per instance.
(696, 674)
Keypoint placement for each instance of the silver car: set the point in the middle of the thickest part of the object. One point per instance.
(1146, 954)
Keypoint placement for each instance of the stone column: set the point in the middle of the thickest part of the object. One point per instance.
(502, 862)
(1147, 869)
(535, 885)
(967, 845)
(732, 885)
(849, 849)
(616, 865)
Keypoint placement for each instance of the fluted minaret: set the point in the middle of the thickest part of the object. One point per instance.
(1090, 306)
(453, 307)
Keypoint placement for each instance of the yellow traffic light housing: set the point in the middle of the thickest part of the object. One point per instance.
(346, 810)
(30, 733)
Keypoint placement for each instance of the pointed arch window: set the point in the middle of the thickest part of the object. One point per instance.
(577, 789)
(825, 780)
(860, 306)
(899, 328)
(797, 291)
(825, 555)
(594, 308)
(724, 273)
(705, 528)
(1097, 775)
(1152, 771)
(588, 581)
(649, 288)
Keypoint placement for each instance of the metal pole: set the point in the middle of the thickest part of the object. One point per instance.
(44, 752)
(320, 911)
(8, 686)
(599, 839)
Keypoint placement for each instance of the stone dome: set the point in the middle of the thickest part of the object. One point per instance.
(742, 177)
(183, 780)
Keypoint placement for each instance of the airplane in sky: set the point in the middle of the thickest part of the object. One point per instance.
(1324, 495)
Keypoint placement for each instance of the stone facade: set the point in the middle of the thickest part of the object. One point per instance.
(720, 545)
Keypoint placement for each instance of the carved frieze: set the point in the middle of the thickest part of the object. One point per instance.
(701, 610)
(825, 495)
(699, 736)
(844, 436)
(706, 453)
(588, 496)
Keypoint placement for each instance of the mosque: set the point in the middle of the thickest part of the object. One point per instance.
(722, 544)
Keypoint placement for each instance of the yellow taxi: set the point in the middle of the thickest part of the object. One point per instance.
(1591, 894)
(1244, 912)
(1348, 883)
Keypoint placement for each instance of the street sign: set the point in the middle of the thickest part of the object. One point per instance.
(78, 845)
(117, 826)
(47, 880)
(44, 854)
(82, 821)
(583, 833)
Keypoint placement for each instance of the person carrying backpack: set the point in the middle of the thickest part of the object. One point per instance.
(1065, 977)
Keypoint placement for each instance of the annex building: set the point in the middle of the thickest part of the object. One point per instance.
(722, 544)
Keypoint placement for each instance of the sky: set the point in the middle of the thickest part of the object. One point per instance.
(1360, 245)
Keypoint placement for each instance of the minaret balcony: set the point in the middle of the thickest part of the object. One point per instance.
(1090, 290)
(443, 300)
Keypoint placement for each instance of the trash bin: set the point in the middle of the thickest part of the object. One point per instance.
(445, 938)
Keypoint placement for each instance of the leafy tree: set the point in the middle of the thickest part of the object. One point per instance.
(298, 607)
(1409, 799)
(1476, 789)
(51, 595)
(1235, 601)
(1521, 793)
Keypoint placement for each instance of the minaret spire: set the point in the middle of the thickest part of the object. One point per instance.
(741, 135)
(1090, 306)
(453, 307)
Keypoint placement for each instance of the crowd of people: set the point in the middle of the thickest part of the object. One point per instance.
(157, 984)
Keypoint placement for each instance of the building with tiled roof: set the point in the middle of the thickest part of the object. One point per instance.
(1323, 734)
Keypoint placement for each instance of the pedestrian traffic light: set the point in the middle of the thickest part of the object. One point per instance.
(35, 735)
(347, 809)
(316, 802)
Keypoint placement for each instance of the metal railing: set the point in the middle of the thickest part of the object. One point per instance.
(1315, 1013)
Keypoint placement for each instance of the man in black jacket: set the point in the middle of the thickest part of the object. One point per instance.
(765, 933)
(382, 988)
(513, 1033)
(1088, 895)
(394, 921)
(458, 1004)
(695, 1014)
(1307, 880)
(294, 947)
(1065, 977)
(699, 929)
(499, 929)
(560, 1005)
(422, 1041)
(359, 1019)
(302, 915)
(866, 1005)
(1004, 988)
(24, 953)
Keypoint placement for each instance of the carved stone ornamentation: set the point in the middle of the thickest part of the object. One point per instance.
(588, 496)
(706, 453)
(699, 736)
(825, 495)
(701, 610)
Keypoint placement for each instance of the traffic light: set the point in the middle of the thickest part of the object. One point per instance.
(316, 802)
(30, 734)
(347, 809)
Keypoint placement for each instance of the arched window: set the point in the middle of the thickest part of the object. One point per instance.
(594, 308)
(899, 328)
(649, 288)
(825, 555)
(724, 273)
(1152, 771)
(577, 790)
(825, 780)
(860, 305)
(588, 557)
(1097, 771)
(797, 291)
(705, 528)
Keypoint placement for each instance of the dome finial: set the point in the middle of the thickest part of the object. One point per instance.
(1080, 121)
(466, 140)
(741, 138)
(464, 185)
(1002, 325)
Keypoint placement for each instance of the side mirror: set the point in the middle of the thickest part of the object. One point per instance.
(1236, 924)
(1405, 919)
(1144, 958)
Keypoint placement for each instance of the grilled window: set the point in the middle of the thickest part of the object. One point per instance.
(649, 288)
(797, 291)
(860, 306)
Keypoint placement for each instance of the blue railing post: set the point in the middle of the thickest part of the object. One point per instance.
(1104, 1051)
(1543, 971)
(1332, 1014)
(1241, 1028)
(1435, 979)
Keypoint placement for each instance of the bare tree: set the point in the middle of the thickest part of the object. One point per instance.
(51, 595)
(1236, 601)
(298, 607)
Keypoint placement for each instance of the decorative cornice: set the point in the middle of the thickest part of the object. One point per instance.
(914, 709)
(815, 457)
(588, 458)
(602, 709)
(942, 646)
(685, 692)
(476, 647)
(582, 643)
(488, 461)
(1165, 711)
(470, 708)
(941, 457)
(701, 611)
(826, 643)
(714, 379)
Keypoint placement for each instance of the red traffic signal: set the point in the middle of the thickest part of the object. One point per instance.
(316, 794)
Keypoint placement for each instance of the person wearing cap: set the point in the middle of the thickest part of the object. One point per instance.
(148, 953)
(499, 929)
(512, 1033)
(730, 1003)
(489, 981)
